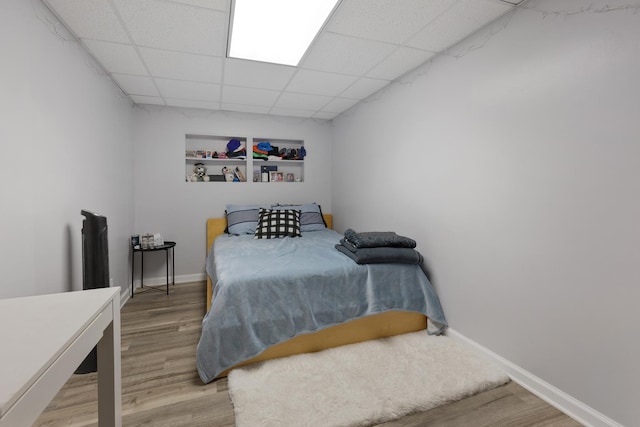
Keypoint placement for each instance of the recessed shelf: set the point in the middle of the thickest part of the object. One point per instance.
(200, 149)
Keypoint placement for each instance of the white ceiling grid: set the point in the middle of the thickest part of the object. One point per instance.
(173, 52)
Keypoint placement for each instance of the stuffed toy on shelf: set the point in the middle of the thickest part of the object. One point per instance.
(199, 173)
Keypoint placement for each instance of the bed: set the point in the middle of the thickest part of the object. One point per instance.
(300, 316)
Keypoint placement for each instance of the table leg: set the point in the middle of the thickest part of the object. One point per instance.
(166, 252)
(133, 260)
(173, 266)
(109, 373)
(142, 269)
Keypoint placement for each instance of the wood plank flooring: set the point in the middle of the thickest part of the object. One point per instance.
(161, 387)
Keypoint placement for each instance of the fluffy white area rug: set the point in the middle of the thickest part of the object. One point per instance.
(360, 384)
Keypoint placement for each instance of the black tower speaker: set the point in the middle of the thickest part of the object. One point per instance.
(95, 268)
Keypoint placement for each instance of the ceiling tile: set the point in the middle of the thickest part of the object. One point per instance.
(462, 19)
(136, 85)
(345, 55)
(363, 88)
(173, 51)
(302, 101)
(188, 90)
(278, 111)
(182, 66)
(173, 26)
(188, 103)
(91, 19)
(244, 108)
(400, 62)
(154, 100)
(238, 72)
(222, 5)
(385, 20)
(116, 57)
(249, 96)
(338, 105)
(319, 83)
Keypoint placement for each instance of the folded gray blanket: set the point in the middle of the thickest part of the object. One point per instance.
(382, 255)
(375, 239)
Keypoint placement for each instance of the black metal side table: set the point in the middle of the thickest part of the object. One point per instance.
(167, 247)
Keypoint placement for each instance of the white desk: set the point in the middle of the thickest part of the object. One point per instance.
(43, 340)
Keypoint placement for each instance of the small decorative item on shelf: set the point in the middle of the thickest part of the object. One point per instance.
(158, 240)
(238, 173)
(199, 173)
(146, 241)
(266, 172)
(277, 176)
(228, 173)
(290, 177)
(191, 154)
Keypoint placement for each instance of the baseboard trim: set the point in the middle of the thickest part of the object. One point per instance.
(125, 294)
(574, 408)
(162, 280)
(186, 278)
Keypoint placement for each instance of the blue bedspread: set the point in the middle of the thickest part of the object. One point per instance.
(268, 291)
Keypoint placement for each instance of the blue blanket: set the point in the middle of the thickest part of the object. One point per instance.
(268, 291)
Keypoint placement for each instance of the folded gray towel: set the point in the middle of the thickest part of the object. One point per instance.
(382, 255)
(375, 239)
(347, 244)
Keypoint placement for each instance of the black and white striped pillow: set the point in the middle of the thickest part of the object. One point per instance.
(274, 224)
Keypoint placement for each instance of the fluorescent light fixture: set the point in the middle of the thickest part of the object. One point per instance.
(278, 31)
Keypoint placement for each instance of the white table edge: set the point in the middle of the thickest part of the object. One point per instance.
(102, 328)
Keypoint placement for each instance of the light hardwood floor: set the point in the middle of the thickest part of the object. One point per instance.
(161, 387)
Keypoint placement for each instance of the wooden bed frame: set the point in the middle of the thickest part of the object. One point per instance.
(368, 328)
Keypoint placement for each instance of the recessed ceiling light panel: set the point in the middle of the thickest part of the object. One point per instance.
(277, 31)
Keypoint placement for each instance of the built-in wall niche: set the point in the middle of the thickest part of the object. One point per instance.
(215, 158)
(286, 166)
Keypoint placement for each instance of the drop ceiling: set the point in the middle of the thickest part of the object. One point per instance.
(173, 52)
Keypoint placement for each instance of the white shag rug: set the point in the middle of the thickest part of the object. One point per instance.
(360, 384)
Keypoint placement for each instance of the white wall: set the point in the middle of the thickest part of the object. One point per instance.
(65, 145)
(166, 204)
(517, 169)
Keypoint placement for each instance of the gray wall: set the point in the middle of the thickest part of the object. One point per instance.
(166, 204)
(515, 166)
(65, 145)
(517, 169)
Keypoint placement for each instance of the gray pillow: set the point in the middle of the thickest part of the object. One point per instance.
(242, 219)
(310, 216)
